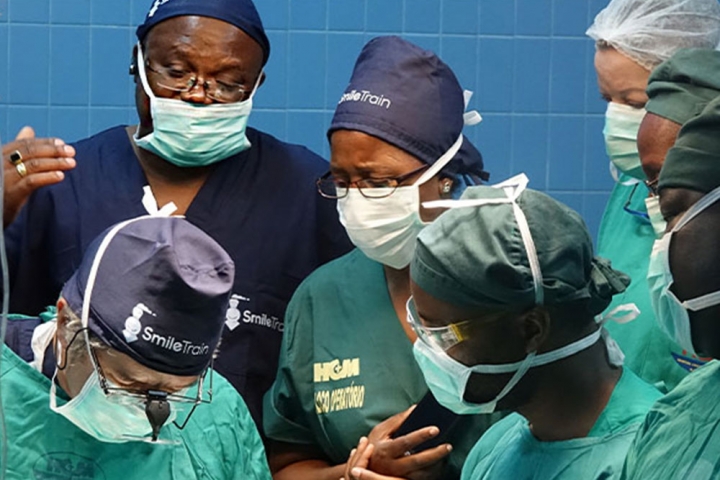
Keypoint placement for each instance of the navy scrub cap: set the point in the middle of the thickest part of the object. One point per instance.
(241, 13)
(408, 97)
(160, 295)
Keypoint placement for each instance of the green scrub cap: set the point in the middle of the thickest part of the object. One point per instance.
(475, 256)
(682, 86)
(694, 161)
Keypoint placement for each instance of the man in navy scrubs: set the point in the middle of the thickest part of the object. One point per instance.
(197, 66)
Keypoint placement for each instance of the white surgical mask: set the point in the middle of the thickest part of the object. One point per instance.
(191, 135)
(672, 314)
(622, 123)
(447, 378)
(652, 204)
(385, 229)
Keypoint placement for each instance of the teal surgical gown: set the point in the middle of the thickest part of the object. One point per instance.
(680, 438)
(220, 442)
(627, 241)
(346, 365)
(509, 451)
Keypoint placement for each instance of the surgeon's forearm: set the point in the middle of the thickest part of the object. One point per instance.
(310, 470)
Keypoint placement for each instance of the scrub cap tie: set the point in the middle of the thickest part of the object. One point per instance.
(516, 248)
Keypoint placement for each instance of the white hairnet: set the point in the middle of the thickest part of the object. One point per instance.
(650, 31)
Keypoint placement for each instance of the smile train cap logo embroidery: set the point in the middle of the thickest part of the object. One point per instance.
(133, 326)
(365, 96)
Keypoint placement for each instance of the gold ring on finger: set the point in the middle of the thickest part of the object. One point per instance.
(16, 157)
(21, 169)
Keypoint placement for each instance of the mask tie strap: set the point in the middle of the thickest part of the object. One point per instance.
(151, 205)
(142, 73)
(697, 208)
(470, 117)
(702, 302)
(621, 314)
(441, 162)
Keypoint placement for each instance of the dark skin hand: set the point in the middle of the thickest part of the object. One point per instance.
(357, 156)
(299, 462)
(45, 160)
(210, 49)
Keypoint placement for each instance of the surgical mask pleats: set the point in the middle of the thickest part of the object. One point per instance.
(447, 378)
(672, 314)
(385, 229)
(190, 135)
(622, 123)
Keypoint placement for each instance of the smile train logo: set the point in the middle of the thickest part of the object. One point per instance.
(132, 323)
(365, 96)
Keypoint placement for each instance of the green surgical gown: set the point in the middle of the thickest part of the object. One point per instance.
(627, 241)
(346, 365)
(509, 451)
(680, 438)
(220, 442)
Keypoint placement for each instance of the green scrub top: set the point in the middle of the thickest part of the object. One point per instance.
(219, 442)
(346, 365)
(510, 451)
(680, 438)
(627, 241)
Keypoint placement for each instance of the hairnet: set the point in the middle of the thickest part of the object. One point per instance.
(160, 294)
(476, 257)
(694, 161)
(241, 13)
(650, 31)
(408, 97)
(681, 87)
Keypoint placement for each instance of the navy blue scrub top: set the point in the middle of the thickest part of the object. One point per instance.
(260, 205)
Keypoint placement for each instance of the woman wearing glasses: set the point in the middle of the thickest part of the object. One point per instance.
(632, 38)
(346, 367)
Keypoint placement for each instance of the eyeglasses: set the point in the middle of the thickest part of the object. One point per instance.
(179, 403)
(438, 338)
(181, 81)
(332, 187)
(652, 185)
(633, 212)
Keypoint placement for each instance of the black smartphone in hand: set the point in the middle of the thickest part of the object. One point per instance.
(427, 413)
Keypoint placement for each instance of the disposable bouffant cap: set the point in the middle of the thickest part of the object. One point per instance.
(160, 294)
(241, 13)
(651, 31)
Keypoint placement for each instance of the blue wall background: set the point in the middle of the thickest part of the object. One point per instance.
(64, 71)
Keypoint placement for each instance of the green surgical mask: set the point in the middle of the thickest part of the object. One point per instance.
(622, 123)
(190, 135)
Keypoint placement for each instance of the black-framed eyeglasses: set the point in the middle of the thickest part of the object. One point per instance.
(158, 403)
(652, 186)
(332, 187)
(181, 81)
(633, 212)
